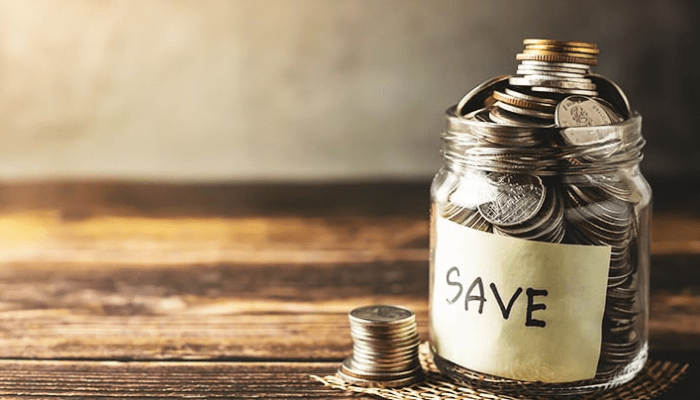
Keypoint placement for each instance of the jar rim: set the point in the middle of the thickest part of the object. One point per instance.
(542, 150)
(457, 121)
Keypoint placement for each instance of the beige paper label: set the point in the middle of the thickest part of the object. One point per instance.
(516, 308)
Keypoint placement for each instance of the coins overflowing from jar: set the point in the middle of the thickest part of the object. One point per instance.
(385, 348)
(582, 202)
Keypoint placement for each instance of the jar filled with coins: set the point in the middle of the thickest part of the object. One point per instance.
(540, 230)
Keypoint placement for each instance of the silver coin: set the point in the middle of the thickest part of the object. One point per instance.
(381, 380)
(378, 364)
(557, 80)
(610, 109)
(481, 115)
(356, 369)
(535, 99)
(582, 111)
(552, 82)
(386, 361)
(380, 329)
(613, 93)
(381, 314)
(546, 226)
(504, 117)
(525, 111)
(575, 72)
(475, 98)
(517, 198)
(546, 72)
(508, 137)
(577, 66)
(546, 89)
(385, 350)
(469, 218)
(386, 341)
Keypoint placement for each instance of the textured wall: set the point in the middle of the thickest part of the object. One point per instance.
(304, 89)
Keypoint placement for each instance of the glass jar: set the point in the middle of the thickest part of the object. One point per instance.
(539, 261)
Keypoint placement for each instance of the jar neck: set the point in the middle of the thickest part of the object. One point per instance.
(551, 151)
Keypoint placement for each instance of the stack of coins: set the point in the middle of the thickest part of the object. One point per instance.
(549, 72)
(554, 87)
(385, 348)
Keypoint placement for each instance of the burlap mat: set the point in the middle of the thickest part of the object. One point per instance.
(654, 379)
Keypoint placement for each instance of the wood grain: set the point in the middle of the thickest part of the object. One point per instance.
(232, 311)
(120, 380)
(240, 380)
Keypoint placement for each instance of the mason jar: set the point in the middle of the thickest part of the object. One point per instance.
(539, 256)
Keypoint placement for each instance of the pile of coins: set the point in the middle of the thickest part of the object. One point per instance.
(517, 194)
(385, 348)
(553, 86)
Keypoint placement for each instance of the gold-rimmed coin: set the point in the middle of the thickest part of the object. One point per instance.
(556, 57)
(528, 97)
(562, 53)
(525, 111)
(552, 42)
(523, 103)
(566, 49)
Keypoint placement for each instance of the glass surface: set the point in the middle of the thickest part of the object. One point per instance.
(552, 186)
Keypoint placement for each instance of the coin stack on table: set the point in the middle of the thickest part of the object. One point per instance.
(514, 155)
(385, 348)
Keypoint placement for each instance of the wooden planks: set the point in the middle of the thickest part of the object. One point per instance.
(198, 380)
(182, 379)
(233, 311)
(284, 311)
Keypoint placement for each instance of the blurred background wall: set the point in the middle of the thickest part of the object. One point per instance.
(305, 89)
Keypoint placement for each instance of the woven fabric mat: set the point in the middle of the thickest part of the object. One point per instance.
(654, 379)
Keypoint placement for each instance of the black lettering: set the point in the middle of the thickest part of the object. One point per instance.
(454, 283)
(532, 307)
(480, 297)
(505, 310)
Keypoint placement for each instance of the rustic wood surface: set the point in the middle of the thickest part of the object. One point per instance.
(116, 289)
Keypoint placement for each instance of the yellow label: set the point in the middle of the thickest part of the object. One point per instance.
(516, 308)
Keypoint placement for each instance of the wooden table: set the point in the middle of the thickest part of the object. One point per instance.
(118, 290)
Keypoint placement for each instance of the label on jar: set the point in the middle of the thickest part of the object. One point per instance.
(516, 308)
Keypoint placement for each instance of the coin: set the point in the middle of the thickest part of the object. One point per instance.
(613, 93)
(523, 103)
(546, 226)
(381, 380)
(530, 42)
(475, 98)
(380, 314)
(577, 67)
(528, 112)
(385, 348)
(517, 199)
(591, 57)
(528, 97)
(581, 111)
(559, 73)
(549, 81)
(556, 58)
(591, 93)
(564, 48)
(504, 117)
